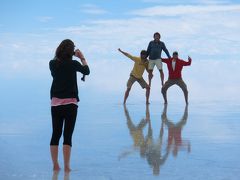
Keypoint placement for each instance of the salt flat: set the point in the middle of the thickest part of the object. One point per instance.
(113, 141)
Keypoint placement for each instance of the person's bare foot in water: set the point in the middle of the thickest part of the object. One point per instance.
(67, 169)
(56, 167)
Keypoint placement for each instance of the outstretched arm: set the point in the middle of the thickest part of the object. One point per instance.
(125, 53)
(187, 63)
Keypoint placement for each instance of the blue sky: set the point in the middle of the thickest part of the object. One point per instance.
(208, 30)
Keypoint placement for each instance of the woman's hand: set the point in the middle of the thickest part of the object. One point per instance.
(80, 55)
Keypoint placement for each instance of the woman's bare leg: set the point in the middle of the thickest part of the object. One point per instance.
(54, 155)
(66, 156)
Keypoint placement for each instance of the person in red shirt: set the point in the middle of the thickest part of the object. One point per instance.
(175, 66)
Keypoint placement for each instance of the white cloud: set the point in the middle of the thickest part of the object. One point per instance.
(92, 9)
(208, 36)
(213, 35)
(200, 34)
(184, 10)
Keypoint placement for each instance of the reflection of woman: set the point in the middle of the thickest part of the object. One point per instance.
(64, 98)
(175, 131)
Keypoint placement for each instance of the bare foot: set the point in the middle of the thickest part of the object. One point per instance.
(67, 169)
(56, 167)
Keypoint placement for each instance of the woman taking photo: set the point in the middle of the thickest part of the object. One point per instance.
(64, 98)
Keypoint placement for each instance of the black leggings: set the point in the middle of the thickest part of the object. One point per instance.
(68, 115)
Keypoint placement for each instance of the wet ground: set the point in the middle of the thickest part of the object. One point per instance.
(112, 141)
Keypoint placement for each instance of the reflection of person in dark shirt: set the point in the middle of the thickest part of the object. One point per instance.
(155, 157)
(175, 141)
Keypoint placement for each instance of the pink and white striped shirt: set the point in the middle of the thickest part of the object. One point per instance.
(58, 102)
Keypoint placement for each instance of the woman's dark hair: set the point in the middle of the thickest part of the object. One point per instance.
(65, 50)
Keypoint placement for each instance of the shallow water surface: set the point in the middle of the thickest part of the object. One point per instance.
(112, 141)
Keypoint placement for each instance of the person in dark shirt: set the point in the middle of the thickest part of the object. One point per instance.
(64, 98)
(154, 52)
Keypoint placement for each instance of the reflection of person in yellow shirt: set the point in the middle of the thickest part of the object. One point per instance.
(140, 64)
(137, 134)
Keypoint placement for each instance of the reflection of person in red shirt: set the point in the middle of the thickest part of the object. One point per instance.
(175, 66)
(175, 140)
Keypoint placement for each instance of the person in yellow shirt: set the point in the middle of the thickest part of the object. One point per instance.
(140, 64)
